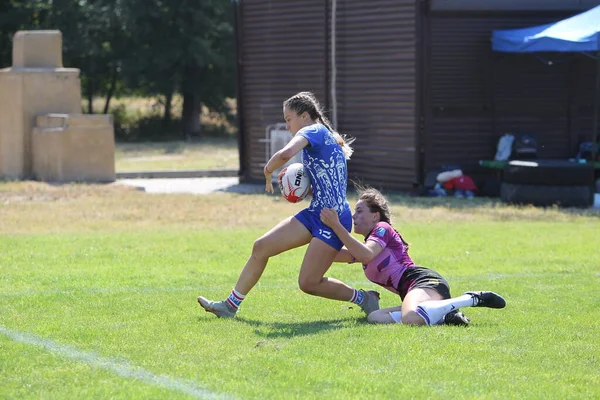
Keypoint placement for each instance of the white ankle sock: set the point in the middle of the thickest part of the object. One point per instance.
(396, 316)
(433, 311)
(235, 298)
(357, 297)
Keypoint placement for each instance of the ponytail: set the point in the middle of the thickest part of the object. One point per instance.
(343, 140)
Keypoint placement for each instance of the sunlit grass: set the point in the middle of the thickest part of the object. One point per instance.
(29, 207)
(208, 154)
(114, 271)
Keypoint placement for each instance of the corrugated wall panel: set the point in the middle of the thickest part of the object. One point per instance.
(584, 87)
(283, 52)
(583, 100)
(475, 95)
(550, 129)
(451, 146)
(376, 64)
(582, 125)
(534, 81)
(531, 95)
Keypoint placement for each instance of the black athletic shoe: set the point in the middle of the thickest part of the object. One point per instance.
(488, 299)
(456, 318)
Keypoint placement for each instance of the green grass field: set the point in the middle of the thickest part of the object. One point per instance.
(211, 153)
(98, 288)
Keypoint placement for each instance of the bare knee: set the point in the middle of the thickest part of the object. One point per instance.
(261, 249)
(309, 285)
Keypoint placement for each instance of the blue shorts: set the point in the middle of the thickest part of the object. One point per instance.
(312, 222)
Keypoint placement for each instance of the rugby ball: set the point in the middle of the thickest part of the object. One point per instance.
(295, 183)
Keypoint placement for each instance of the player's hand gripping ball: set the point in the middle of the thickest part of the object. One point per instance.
(295, 183)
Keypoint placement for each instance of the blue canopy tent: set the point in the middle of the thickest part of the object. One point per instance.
(580, 33)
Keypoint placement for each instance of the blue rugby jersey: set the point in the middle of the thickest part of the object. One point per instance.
(325, 163)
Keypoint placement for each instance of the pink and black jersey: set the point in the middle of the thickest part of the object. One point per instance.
(387, 268)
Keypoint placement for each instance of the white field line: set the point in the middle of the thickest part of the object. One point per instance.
(120, 368)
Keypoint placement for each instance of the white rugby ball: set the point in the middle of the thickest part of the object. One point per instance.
(295, 183)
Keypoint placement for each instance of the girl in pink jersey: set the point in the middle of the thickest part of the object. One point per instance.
(425, 294)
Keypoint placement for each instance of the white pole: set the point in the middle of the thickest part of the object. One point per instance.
(333, 65)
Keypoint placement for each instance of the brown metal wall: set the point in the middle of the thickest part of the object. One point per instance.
(376, 88)
(475, 95)
(285, 48)
(409, 80)
(583, 74)
(283, 52)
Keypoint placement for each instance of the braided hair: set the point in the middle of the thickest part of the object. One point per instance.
(306, 102)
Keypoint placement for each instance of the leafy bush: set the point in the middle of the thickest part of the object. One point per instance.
(141, 119)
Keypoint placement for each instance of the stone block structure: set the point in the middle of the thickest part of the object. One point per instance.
(73, 147)
(43, 134)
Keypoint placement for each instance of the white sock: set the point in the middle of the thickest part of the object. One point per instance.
(235, 298)
(396, 316)
(433, 311)
(357, 297)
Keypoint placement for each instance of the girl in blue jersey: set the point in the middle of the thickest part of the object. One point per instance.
(324, 156)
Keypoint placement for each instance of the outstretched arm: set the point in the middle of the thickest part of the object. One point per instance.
(363, 252)
(344, 256)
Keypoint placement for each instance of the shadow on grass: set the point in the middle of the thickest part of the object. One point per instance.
(272, 330)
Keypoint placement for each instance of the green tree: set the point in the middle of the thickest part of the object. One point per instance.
(94, 40)
(185, 46)
(143, 47)
(15, 15)
(93, 37)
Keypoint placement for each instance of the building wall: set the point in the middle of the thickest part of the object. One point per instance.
(376, 87)
(474, 95)
(416, 82)
(283, 51)
(286, 48)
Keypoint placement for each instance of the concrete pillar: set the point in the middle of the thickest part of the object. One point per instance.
(73, 148)
(36, 84)
(37, 49)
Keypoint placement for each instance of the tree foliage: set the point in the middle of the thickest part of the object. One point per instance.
(138, 47)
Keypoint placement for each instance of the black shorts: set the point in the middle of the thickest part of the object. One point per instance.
(424, 278)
